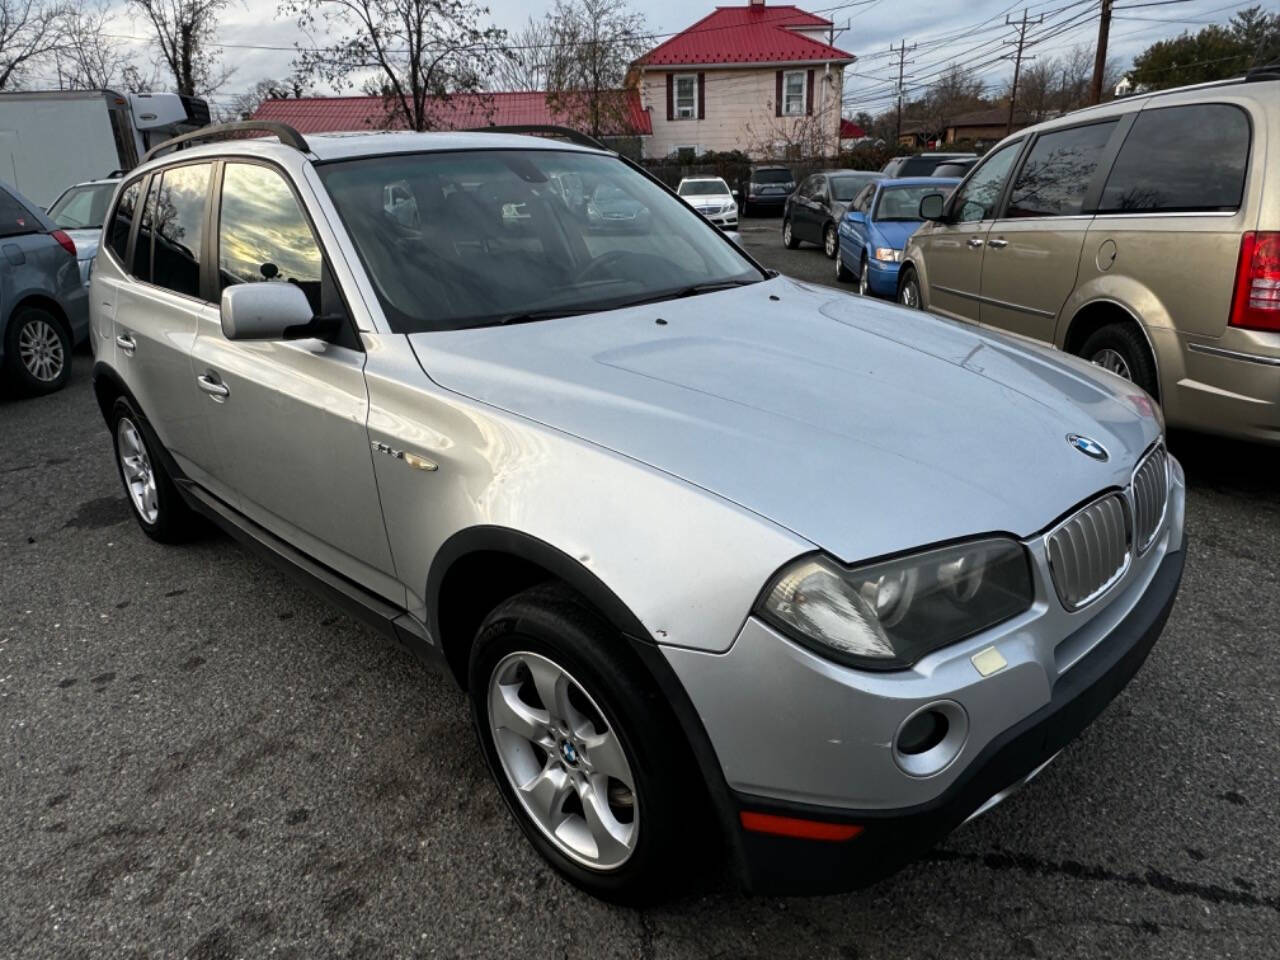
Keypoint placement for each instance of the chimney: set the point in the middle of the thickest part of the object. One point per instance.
(755, 3)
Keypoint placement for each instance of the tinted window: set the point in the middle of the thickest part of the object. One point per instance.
(902, 204)
(771, 176)
(142, 246)
(703, 188)
(1181, 159)
(82, 207)
(122, 220)
(498, 241)
(846, 187)
(179, 228)
(1057, 171)
(976, 199)
(14, 217)
(263, 235)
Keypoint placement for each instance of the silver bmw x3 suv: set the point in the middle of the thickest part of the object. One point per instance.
(719, 558)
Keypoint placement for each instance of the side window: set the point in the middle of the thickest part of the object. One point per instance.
(179, 228)
(15, 219)
(809, 190)
(863, 202)
(122, 220)
(1057, 171)
(976, 200)
(1181, 159)
(142, 246)
(263, 234)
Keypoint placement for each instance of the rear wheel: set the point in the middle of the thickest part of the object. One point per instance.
(156, 503)
(788, 238)
(842, 272)
(1122, 349)
(830, 242)
(585, 755)
(37, 352)
(909, 289)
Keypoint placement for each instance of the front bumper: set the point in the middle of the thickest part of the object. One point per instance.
(796, 735)
(883, 279)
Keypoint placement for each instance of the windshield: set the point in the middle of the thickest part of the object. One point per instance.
(903, 203)
(703, 188)
(82, 207)
(844, 188)
(771, 176)
(502, 236)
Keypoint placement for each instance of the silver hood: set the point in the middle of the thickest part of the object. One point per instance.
(862, 427)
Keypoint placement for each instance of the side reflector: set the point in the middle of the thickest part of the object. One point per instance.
(796, 827)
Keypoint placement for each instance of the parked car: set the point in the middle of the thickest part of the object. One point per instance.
(954, 168)
(921, 164)
(614, 209)
(766, 188)
(79, 210)
(713, 553)
(43, 303)
(875, 229)
(1143, 235)
(712, 198)
(814, 211)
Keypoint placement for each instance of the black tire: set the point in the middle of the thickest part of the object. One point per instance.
(1123, 340)
(864, 278)
(174, 521)
(788, 237)
(746, 209)
(552, 622)
(843, 273)
(37, 352)
(830, 241)
(907, 283)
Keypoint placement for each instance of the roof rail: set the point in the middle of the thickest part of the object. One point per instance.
(288, 136)
(546, 130)
(1263, 71)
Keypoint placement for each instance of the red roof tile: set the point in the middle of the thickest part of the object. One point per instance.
(850, 130)
(746, 34)
(458, 112)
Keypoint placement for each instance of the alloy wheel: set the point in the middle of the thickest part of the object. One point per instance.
(563, 760)
(910, 294)
(863, 283)
(139, 477)
(1114, 361)
(829, 241)
(40, 350)
(786, 233)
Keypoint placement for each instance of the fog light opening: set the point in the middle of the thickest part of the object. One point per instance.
(930, 738)
(922, 733)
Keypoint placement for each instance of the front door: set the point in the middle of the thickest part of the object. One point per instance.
(954, 249)
(1033, 250)
(289, 417)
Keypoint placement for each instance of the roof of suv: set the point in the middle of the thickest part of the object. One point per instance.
(343, 146)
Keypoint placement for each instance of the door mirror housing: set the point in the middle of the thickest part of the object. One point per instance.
(272, 311)
(856, 216)
(933, 207)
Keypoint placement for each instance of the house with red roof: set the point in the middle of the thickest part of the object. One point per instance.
(757, 77)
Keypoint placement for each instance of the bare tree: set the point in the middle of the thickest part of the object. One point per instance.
(528, 67)
(29, 31)
(89, 58)
(594, 43)
(413, 53)
(185, 37)
(790, 138)
(1037, 90)
(244, 105)
(957, 91)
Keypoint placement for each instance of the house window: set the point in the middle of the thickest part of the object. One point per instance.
(685, 153)
(686, 96)
(793, 83)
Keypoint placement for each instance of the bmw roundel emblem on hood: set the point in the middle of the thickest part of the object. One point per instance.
(1090, 448)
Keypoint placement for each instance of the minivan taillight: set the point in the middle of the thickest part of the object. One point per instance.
(68, 244)
(1255, 305)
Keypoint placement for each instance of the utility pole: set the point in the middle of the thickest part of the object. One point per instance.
(902, 50)
(1017, 60)
(1100, 57)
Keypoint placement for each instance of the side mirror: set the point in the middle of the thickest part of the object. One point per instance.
(736, 194)
(932, 206)
(267, 311)
(856, 216)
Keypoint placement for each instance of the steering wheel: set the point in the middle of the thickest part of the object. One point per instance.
(590, 269)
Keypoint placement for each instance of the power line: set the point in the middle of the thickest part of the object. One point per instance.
(1017, 62)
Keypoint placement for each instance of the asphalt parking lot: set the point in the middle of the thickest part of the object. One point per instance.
(204, 761)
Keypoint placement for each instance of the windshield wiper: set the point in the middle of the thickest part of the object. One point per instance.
(533, 316)
(692, 290)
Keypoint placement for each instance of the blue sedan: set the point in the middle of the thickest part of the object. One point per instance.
(876, 227)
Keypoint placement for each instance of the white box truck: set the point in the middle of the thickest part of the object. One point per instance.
(50, 140)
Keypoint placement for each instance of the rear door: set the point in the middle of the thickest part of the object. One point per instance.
(953, 250)
(289, 417)
(1033, 249)
(802, 210)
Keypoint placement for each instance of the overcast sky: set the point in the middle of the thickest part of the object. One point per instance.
(945, 30)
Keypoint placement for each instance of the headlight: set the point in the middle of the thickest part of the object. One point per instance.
(888, 615)
(888, 254)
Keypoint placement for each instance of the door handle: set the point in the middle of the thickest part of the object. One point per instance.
(214, 387)
(126, 344)
(975, 242)
(998, 244)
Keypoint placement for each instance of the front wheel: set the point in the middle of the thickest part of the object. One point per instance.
(842, 272)
(584, 754)
(788, 238)
(909, 290)
(864, 278)
(830, 242)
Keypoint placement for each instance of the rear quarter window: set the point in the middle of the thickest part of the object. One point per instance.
(1183, 159)
(122, 220)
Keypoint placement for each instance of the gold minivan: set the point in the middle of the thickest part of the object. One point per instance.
(1143, 235)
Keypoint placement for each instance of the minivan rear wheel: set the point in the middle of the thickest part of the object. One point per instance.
(1122, 349)
(585, 755)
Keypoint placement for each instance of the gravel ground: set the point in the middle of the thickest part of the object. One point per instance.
(203, 760)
